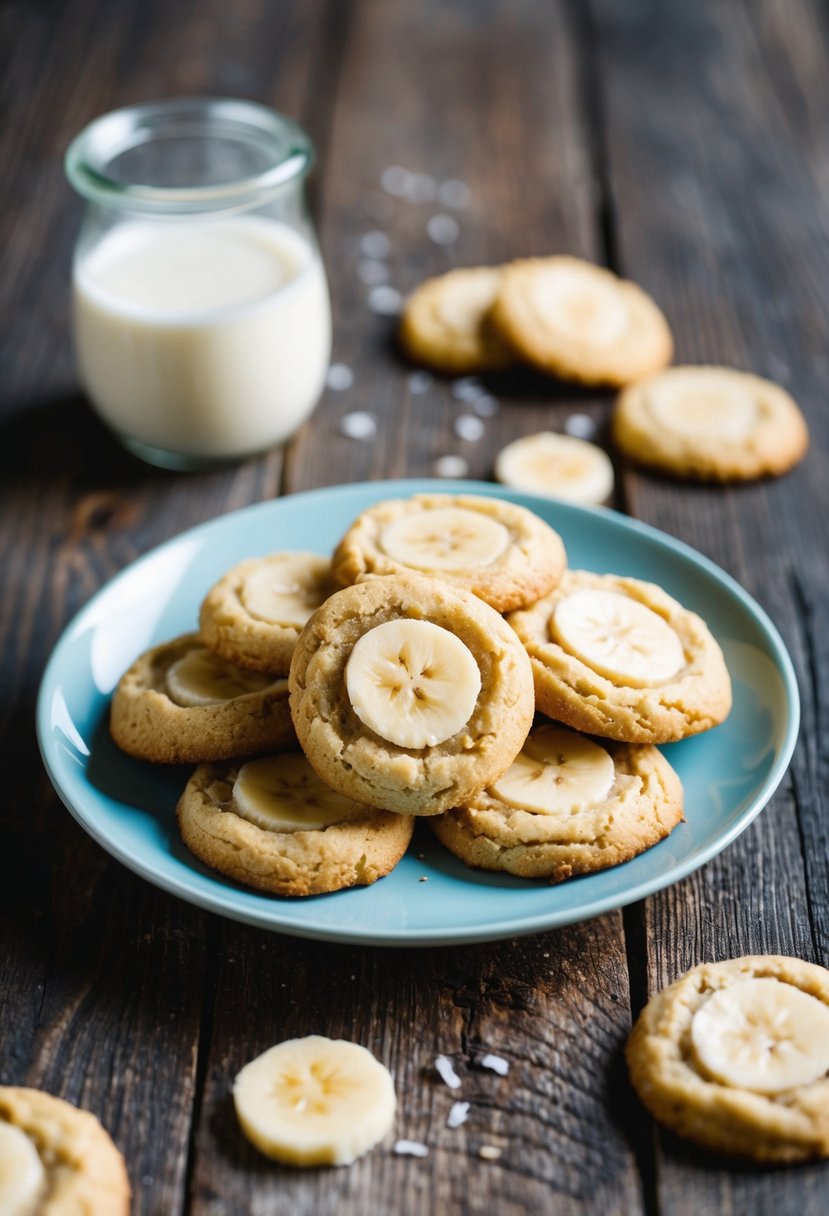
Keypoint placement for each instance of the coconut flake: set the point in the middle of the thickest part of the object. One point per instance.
(395, 180)
(489, 1152)
(359, 425)
(468, 427)
(458, 1114)
(410, 1148)
(454, 193)
(385, 301)
(340, 377)
(468, 389)
(581, 426)
(420, 188)
(450, 466)
(375, 244)
(446, 1071)
(443, 229)
(485, 406)
(420, 382)
(496, 1064)
(372, 272)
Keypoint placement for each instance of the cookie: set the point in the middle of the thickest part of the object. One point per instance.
(710, 423)
(445, 323)
(501, 552)
(409, 694)
(557, 466)
(620, 658)
(735, 1055)
(566, 806)
(254, 614)
(274, 825)
(180, 702)
(580, 322)
(56, 1158)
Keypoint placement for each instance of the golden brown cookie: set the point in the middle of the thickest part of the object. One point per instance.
(254, 614)
(180, 702)
(57, 1159)
(409, 694)
(274, 825)
(620, 658)
(566, 806)
(711, 423)
(501, 552)
(445, 323)
(579, 321)
(734, 1055)
(557, 466)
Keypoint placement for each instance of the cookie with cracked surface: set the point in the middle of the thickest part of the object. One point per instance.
(710, 423)
(566, 806)
(274, 825)
(409, 694)
(57, 1159)
(501, 552)
(179, 702)
(581, 322)
(734, 1056)
(254, 614)
(621, 658)
(445, 323)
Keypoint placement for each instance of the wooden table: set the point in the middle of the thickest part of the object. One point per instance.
(685, 145)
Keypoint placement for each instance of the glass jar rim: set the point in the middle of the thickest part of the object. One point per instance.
(105, 138)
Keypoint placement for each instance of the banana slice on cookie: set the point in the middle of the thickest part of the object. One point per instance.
(200, 677)
(566, 806)
(762, 1035)
(412, 682)
(580, 321)
(284, 794)
(503, 553)
(557, 466)
(445, 323)
(315, 1101)
(711, 423)
(22, 1175)
(617, 636)
(735, 1055)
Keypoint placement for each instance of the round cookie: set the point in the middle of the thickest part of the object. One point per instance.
(557, 466)
(620, 658)
(580, 321)
(501, 552)
(710, 423)
(566, 807)
(432, 666)
(67, 1162)
(147, 722)
(254, 614)
(445, 323)
(734, 1056)
(354, 846)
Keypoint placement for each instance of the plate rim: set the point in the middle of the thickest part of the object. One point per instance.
(437, 936)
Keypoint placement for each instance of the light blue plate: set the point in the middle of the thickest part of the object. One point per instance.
(127, 806)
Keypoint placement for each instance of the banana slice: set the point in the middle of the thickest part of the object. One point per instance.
(618, 637)
(286, 589)
(315, 1101)
(448, 538)
(22, 1176)
(557, 772)
(412, 682)
(202, 678)
(284, 794)
(697, 402)
(763, 1035)
(559, 466)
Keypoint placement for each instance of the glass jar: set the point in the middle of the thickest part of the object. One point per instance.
(201, 315)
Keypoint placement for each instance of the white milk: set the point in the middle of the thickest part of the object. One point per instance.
(209, 339)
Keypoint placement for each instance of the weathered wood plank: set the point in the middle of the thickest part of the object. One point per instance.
(712, 172)
(102, 976)
(494, 99)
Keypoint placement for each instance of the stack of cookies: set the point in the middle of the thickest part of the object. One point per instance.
(571, 319)
(444, 663)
